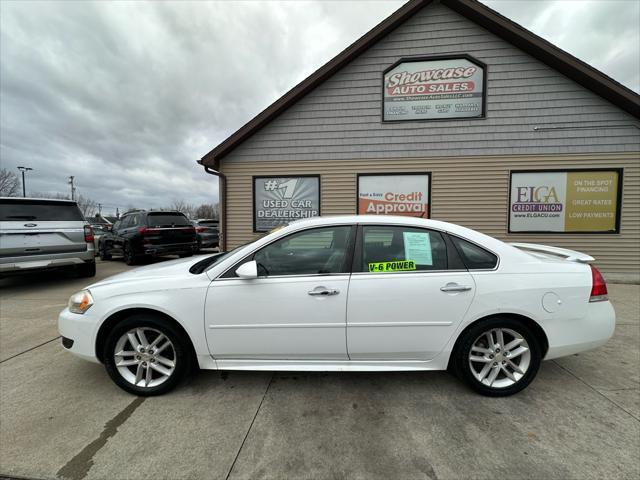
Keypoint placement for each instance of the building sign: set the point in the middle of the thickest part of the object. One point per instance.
(433, 89)
(278, 201)
(394, 194)
(586, 201)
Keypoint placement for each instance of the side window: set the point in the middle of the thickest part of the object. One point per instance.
(317, 251)
(116, 225)
(474, 257)
(126, 222)
(401, 249)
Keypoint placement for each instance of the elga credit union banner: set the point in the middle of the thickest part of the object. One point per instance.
(571, 201)
(278, 201)
(433, 89)
(406, 195)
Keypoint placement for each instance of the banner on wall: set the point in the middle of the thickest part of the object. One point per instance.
(434, 88)
(395, 194)
(586, 201)
(278, 201)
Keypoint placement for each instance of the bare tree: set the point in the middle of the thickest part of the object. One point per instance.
(187, 208)
(207, 210)
(9, 183)
(87, 206)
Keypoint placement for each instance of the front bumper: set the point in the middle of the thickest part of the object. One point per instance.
(568, 337)
(81, 329)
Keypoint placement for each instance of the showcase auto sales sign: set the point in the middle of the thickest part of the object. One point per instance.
(406, 195)
(433, 89)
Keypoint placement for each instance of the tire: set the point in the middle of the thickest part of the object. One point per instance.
(525, 356)
(104, 253)
(87, 270)
(128, 255)
(179, 352)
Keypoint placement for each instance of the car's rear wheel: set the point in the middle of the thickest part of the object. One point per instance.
(146, 356)
(104, 253)
(498, 357)
(129, 257)
(87, 270)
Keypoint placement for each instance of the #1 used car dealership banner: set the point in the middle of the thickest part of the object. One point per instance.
(431, 89)
(278, 201)
(565, 201)
(403, 194)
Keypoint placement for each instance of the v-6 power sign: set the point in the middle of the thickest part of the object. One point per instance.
(432, 89)
(280, 200)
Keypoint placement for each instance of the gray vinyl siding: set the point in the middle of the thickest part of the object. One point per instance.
(341, 118)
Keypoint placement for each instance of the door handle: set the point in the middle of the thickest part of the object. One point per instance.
(454, 287)
(323, 292)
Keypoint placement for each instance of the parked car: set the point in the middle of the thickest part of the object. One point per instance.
(41, 234)
(208, 232)
(99, 229)
(142, 233)
(422, 295)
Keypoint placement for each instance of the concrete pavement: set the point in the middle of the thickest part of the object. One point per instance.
(61, 417)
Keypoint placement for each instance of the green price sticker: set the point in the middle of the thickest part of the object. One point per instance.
(396, 266)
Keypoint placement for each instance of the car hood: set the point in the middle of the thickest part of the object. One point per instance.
(167, 269)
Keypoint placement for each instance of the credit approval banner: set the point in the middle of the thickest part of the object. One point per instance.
(394, 194)
(565, 201)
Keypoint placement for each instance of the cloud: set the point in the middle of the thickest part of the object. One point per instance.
(126, 96)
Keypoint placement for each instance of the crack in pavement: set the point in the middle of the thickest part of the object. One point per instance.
(78, 467)
(29, 349)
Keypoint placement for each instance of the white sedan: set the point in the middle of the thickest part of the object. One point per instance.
(351, 293)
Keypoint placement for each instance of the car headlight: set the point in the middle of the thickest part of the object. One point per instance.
(80, 302)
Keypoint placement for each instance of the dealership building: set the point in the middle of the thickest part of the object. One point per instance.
(450, 111)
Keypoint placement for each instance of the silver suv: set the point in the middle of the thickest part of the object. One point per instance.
(38, 234)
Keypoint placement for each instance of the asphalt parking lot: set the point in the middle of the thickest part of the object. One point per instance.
(61, 417)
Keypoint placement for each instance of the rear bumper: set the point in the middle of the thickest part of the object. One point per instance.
(44, 262)
(173, 249)
(79, 330)
(568, 337)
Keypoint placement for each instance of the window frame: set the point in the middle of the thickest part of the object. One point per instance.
(453, 256)
(229, 273)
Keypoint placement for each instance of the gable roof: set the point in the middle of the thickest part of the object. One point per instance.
(539, 48)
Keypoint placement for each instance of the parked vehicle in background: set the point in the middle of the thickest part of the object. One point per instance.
(99, 229)
(142, 233)
(40, 234)
(351, 293)
(208, 232)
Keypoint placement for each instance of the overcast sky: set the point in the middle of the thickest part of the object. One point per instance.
(126, 96)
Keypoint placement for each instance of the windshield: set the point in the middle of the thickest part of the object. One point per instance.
(14, 210)
(165, 219)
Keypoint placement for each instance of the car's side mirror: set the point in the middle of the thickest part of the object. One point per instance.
(248, 270)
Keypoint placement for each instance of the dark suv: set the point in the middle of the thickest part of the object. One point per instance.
(142, 233)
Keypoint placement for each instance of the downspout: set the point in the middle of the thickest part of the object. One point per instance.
(222, 193)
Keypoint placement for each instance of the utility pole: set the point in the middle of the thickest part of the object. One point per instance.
(73, 189)
(100, 209)
(24, 169)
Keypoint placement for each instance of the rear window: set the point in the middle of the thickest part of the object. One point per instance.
(475, 257)
(38, 210)
(167, 220)
(208, 224)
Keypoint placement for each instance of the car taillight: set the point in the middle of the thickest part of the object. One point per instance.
(200, 229)
(88, 233)
(598, 286)
(147, 230)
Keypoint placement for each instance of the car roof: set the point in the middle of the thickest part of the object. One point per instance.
(31, 199)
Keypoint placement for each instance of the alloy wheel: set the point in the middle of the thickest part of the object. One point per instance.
(145, 357)
(499, 358)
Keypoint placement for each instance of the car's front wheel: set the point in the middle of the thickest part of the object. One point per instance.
(498, 357)
(146, 356)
